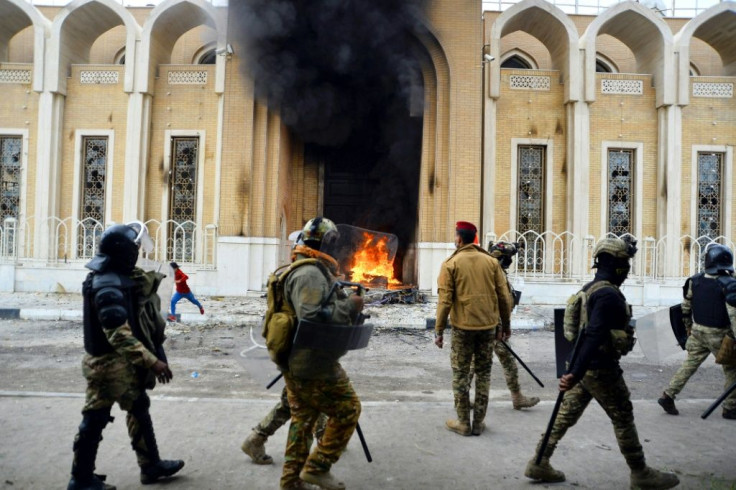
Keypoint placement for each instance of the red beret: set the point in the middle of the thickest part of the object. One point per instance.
(466, 225)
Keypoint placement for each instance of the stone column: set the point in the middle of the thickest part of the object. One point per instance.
(669, 187)
(578, 181)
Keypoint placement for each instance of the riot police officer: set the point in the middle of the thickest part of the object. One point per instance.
(708, 317)
(123, 336)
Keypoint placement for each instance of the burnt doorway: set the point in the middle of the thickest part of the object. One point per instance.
(372, 181)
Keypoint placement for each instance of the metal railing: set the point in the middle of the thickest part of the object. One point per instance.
(565, 256)
(666, 8)
(72, 240)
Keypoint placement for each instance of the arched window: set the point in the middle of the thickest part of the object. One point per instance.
(517, 62)
(694, 72)
(119, 58)
(603, 64)
(601, 67)
(208, 58)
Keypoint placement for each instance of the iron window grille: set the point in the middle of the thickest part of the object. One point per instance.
(530, 202)
(185, 153)
(92, 212)
(620, 191)
(10, 185)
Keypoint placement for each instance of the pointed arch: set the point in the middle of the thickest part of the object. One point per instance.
(16, 15)
(715, 27)
(552, 27)
(522, 55)
(646, 35)
(166, 24)
(75, 29)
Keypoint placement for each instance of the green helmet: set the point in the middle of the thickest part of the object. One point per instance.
(319, 230)
(620, 248)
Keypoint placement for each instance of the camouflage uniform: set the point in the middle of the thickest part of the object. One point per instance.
(316, 383)
(508, 363)
(280, 414)
(469, 346)
(702, 342)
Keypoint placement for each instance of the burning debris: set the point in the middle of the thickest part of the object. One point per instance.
(407, 296)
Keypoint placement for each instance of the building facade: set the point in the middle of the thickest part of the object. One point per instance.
(545, 128)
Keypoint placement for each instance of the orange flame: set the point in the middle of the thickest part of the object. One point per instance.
(371, 261)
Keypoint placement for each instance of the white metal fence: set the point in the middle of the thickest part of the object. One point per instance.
(666, 8)
(560, 256)
(72, 240)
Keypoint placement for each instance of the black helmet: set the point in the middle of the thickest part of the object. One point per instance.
(118, 243)
(718, 258)
(504, 252)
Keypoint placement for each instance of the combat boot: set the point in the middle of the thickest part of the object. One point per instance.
(85, 452)
(520, 401)
(478, 428)
(668, 404)
(543, 471)
(253, 446)
(651, 479)
(323, 480)
(729, 414)
(163, 468)
(300, 485)
(461, 427)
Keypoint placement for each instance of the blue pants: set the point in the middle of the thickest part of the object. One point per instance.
(178, 296)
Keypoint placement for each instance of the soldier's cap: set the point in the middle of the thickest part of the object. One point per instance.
(466, 226)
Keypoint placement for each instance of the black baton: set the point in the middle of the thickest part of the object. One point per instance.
(718, 401)
(508, 348)
(558, 403)
(357, 427)
(274, 380)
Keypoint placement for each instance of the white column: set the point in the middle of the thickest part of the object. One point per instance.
(578, 180)
(669, 186)
(48, 169)
(489, 169)
(136, 156)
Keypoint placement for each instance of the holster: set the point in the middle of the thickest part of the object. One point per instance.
(726, 354)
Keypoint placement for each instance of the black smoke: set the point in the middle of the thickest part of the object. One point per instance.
(345, 77)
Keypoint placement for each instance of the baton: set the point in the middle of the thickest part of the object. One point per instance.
(558, 403)
(357, 427)
(273, 381)
(718, 401)
(508, 348)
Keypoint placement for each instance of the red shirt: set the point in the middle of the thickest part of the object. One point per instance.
(181, 282)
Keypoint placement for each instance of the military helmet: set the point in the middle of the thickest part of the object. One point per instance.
(318, 231)
(620, 248)
(119, 244)
(718, 258)
(504, 252)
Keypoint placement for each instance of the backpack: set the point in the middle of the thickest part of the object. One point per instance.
(280, 320)
(576, 319)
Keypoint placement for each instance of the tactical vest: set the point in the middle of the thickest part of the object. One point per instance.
(95, 340)
(708, 302)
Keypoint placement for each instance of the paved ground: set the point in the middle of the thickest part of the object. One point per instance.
(218, 394)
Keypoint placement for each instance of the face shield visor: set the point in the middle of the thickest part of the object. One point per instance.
(142, 239)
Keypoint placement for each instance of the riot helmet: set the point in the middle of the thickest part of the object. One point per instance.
(319, 231)
(118, 243)
(718, 260)
(611, 257)
(504, 252)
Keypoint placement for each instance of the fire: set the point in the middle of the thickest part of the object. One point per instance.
(371, 261)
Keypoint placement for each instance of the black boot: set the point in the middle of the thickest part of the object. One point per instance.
(143, 440)
(85, 452)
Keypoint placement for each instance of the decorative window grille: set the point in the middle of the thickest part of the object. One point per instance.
(529, 82)
(92, 212)
(531, 200)
(714, 90)
(185, 153)
(620, 187)
(710, 168)
(15, 76)
(104, 77)
(10, 184)
(188, 77)
(622, 87)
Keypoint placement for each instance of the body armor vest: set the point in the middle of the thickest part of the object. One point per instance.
(708, 303)
(95, 340)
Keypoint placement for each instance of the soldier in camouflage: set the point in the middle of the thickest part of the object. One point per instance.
(596, 372)
(504, 253)
(474, 292)
(708, 317)
(315, 381)
(123, 337)
(254, 444)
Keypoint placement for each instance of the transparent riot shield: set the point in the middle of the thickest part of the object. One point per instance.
(364, 256)
(655, 336)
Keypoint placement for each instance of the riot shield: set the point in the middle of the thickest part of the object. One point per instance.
(365, 256)
(678, 326)
(655, 336)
